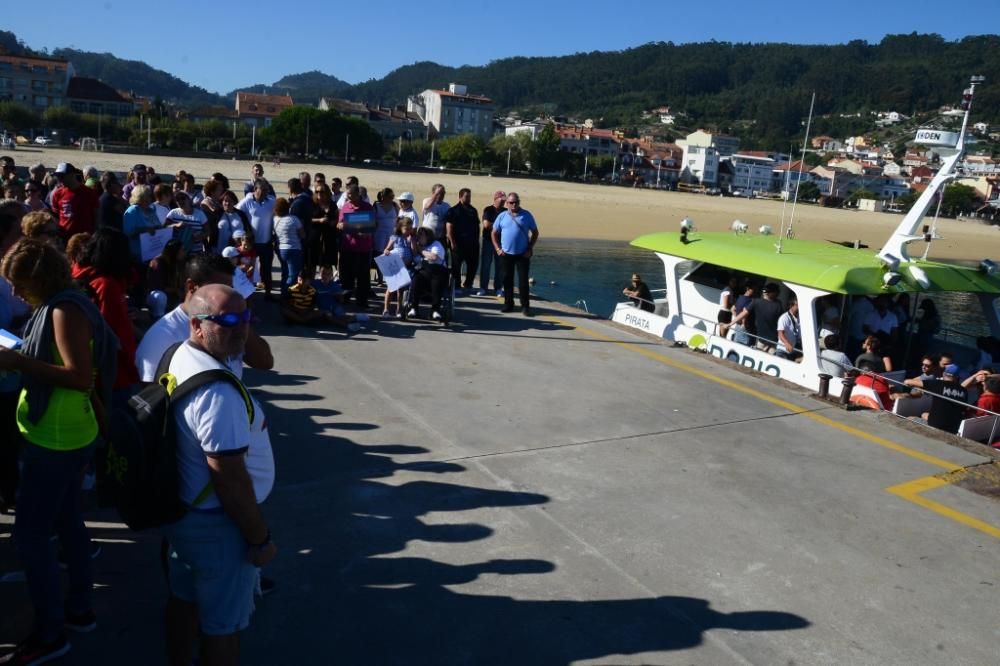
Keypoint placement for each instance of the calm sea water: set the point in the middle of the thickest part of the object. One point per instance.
(576, 271)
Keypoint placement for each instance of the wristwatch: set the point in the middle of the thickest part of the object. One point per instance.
(265, 542)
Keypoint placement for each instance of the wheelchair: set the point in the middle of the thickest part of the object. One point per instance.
(447, 309)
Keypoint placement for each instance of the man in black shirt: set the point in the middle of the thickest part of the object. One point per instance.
(488, 254)
(944, 414)
(765, 312)
(462, 231)
(111, 205)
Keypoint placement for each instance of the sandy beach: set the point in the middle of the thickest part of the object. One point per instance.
(575, 210)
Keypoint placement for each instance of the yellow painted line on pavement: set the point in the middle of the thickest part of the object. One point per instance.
(910, 490)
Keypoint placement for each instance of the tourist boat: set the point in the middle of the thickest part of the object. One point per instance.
(697, 266)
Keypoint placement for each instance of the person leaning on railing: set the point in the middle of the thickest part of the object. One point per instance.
(950, 399)
(639, 293)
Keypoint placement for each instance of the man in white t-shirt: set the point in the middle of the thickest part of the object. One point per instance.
(433, 211)
(225, 470)
(174, 327)
(259, 207)
(789, 332)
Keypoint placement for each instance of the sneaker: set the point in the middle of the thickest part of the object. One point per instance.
(81, 623)
(412, 313)
(499, 294)
(95, 552)
(33, 651)
(399, 315)
(436, 316)
(386, 314)
(481, 292)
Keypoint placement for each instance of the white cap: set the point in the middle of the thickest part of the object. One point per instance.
(239, 233)
(230, 252)
(406, 196)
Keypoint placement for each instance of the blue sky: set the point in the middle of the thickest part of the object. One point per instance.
(237, 44)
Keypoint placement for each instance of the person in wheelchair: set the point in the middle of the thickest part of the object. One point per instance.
(430, 273)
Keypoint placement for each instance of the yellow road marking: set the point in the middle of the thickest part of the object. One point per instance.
(909, 490)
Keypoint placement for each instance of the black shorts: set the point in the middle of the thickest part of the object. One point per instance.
(725, 316)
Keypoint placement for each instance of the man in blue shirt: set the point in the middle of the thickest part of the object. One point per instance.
(514, 236)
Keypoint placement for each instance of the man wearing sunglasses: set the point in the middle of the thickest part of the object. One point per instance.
(217, 547)
(200, 270)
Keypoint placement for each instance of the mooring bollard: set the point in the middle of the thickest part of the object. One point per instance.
(824, 384)
(845, 394)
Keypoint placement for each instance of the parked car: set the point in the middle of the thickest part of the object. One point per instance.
(43, 140)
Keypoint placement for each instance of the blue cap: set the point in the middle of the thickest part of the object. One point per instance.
(951, 369)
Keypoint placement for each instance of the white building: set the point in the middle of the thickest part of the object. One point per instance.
(752, 173)
(699, 163)
(454, 111)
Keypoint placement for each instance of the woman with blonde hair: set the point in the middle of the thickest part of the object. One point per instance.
(67, 364)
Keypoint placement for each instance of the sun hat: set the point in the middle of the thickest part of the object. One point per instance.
(230, 252)
(406, 196)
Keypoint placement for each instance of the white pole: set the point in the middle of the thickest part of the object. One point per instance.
(307, 136)
(399, 153)
(508, 161)
(149, 133)
(253, 140)
(234, 130)
(586, 159)
(614, 168)
(432, 154)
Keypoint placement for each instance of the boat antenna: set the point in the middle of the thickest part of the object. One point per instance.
(945, 143)
(798, 181)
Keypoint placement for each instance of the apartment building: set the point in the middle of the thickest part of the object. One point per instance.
(34, 82)
(453, 111)
(257, 110)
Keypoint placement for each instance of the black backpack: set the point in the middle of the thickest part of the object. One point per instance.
(137, 468)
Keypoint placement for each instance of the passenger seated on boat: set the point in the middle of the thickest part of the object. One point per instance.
(944, 414)
(989, 399)
(639, 294)
(789, 333)
(930, 368)
(870, 378)
(832, 361)
(727, 301)
(872, 353)
(764, 313)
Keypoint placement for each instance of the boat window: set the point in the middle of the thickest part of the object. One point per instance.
(716, 277)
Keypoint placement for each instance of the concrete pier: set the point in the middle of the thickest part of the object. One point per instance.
(556, 490)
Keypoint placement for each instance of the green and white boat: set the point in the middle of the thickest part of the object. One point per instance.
(697, 266)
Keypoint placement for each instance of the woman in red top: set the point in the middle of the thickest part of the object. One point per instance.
(106, 271)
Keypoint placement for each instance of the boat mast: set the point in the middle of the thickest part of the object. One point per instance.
(945, 143)
(798, 182)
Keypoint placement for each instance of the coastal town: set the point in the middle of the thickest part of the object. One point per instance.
(858, 171)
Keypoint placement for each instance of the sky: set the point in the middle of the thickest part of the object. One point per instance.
(238, 44)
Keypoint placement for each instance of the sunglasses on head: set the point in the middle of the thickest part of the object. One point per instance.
(228, 320)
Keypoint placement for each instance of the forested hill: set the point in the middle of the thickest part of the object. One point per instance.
(723, 83)
(759, 91)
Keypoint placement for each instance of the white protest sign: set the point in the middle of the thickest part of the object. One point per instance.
(152, 244)
(242, 284)
(394, 271)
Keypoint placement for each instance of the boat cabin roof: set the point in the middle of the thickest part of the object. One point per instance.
(827, 266)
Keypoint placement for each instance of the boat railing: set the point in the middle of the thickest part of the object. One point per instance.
(652, 292)
(907, 390)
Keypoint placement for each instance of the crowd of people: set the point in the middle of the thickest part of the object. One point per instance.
(102, 276)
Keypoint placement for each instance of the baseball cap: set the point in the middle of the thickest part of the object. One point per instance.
(230, 252)
(406, 196)
(771, 288)
(239, 233)
(498, 194)
(65, 167)
(139, 167)
(951, 369)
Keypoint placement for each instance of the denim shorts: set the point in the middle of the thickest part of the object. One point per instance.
(208, 566)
